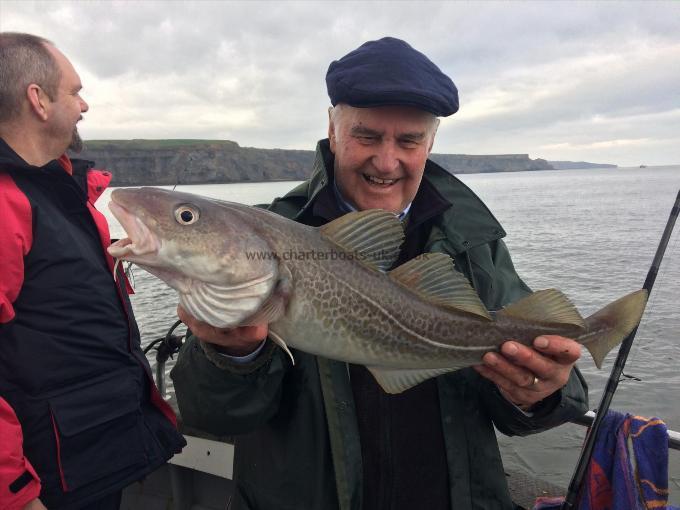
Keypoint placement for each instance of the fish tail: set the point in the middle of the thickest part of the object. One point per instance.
(609, 326)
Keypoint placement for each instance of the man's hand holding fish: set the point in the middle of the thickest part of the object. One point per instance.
(526, 375)
(239, 341)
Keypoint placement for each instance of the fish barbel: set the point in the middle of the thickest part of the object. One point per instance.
(329, 291)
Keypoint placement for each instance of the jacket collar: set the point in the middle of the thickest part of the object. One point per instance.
(465, 224)
(91, 183)
(9, 159)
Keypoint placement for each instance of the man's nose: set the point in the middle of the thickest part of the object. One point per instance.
(387, 158)
(84, 106)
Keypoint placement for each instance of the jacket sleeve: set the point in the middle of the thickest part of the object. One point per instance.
(16, 236)
(562, 406)
(221, 397)
(19, 483)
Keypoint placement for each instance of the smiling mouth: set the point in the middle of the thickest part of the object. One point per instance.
(376, 181)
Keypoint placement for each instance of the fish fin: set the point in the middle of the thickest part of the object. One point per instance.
(228, 306)
(545, 306)
(395, 380)
(272, 310)
(617, 320)
(281, 343)
(434, 278)
(275, 306)
(375, 236)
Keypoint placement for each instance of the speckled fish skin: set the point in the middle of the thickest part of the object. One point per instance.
(340, 308)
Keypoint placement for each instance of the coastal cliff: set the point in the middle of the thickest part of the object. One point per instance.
(158, 162)
(471, 164)
(579, 165)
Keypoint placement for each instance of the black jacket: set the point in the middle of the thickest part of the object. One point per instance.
(71, 365)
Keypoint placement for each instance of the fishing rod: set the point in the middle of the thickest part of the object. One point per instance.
(613, 381)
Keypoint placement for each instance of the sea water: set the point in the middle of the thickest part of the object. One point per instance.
(591, 234)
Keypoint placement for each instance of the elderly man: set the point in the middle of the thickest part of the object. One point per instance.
(80, 417)
(322, 434)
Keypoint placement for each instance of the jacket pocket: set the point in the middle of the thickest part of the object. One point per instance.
(98, 429)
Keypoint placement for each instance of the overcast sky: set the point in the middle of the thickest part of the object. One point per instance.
(577, 81)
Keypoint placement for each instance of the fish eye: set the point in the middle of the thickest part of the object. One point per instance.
(186, 214)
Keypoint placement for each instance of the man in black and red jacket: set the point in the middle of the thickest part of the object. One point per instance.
(80, 417)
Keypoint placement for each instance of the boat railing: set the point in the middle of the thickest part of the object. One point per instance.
(587, 419)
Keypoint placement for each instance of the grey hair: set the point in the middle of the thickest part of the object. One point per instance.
(335, 112)
(24, 59)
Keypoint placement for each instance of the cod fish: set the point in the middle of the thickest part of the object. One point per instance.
(329, 291)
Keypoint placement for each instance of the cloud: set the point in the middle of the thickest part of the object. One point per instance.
(534, 77)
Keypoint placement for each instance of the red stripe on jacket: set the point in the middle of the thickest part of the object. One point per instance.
(16, 238)
(66, 164)
(97, 181)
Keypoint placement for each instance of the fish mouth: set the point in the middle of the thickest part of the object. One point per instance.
(142, 247)
(139, 244)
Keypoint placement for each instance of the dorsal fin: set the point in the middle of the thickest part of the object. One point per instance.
(547, 306)
(433, 277)
(375, 236)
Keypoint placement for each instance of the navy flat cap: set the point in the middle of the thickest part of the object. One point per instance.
(390, 72)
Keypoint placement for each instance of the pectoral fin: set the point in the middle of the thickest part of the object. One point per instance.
(275, 306)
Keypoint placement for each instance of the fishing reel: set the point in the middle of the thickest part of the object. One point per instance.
(166, 347)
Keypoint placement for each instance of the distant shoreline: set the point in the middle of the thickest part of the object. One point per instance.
(182, 161)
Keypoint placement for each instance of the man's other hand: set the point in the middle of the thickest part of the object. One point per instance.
(526, 375)
(239, 341)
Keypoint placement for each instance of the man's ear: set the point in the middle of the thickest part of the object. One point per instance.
(38, 100)
(331, 129)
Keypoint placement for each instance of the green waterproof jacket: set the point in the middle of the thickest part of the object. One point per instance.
(294, 427)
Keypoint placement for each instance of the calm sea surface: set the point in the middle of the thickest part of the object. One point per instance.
(590, 233)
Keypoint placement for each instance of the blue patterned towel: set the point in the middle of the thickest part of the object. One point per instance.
(628, 470)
